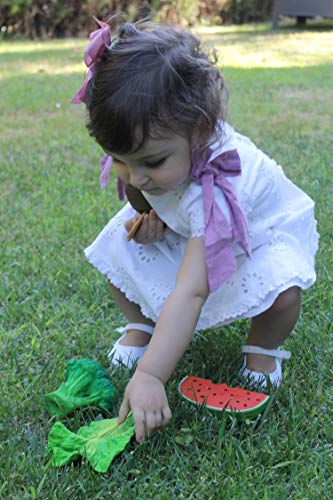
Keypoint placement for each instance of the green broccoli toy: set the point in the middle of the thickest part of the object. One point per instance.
(86, 383)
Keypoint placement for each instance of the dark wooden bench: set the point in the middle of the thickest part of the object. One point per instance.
(302, 9)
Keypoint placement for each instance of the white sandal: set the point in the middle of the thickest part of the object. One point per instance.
(275, 377)
(127, 355)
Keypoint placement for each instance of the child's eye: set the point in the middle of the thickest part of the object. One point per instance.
(156, 163)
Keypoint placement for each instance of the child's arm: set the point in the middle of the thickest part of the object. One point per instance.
(179, 316)
(145, 394)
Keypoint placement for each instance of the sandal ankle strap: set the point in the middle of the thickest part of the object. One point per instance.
(136, 326)
(275, 353)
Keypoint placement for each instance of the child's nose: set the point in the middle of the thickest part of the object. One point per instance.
(138, 177)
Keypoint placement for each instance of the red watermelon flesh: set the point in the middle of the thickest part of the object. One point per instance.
(221, 397)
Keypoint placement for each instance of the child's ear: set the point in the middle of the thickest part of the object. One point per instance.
(199, 137)
(195, 139)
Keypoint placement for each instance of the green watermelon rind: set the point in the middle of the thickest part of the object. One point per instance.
(241, 414)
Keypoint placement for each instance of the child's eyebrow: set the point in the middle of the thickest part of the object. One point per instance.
(162, 154)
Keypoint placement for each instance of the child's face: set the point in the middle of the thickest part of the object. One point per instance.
(158, 166)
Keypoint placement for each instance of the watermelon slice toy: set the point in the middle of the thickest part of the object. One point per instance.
(221, 397)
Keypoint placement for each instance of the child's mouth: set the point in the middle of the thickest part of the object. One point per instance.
(155, 190)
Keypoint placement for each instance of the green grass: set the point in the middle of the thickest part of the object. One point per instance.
(54, 306)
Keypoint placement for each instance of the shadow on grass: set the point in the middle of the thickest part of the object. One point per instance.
(301, 29)
(259, 29)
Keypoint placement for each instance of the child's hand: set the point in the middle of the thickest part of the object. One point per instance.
(151, 230)
(146, 397)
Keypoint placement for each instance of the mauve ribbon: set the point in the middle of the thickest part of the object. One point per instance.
(100, 39)
(106, 164)
(220, 258)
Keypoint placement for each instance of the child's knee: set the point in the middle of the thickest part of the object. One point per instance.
(287, 300)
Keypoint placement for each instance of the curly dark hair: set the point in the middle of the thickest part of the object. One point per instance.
(152, 79)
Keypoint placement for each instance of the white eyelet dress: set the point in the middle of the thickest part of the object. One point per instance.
(283, 237)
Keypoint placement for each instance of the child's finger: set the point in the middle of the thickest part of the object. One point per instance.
(156, 227)
(141, 234)
(140, 425)
(166, 415)
(155, 420)
(135, 228)
(152, 225)
(123, 411)
(129, 224)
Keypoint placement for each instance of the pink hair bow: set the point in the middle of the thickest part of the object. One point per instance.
(220, 259)
(100, 39)
(106, 164)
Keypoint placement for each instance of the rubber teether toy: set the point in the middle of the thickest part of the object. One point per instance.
(220, 397)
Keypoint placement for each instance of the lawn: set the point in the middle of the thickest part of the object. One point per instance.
(55, 306)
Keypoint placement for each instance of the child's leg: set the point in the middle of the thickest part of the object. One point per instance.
(270, 328)
(133, 314)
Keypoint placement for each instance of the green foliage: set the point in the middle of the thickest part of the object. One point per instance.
(45, 19)
(16, 6)
(188, 10)
(59, 18)
(244, 11)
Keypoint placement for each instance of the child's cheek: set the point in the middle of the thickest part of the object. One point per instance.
(121, 171)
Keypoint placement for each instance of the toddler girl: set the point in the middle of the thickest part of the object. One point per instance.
(226, 234)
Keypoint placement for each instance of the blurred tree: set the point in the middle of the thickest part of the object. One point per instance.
(60, 18)
(244, 11)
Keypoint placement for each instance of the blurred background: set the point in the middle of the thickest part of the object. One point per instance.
(68, 18)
